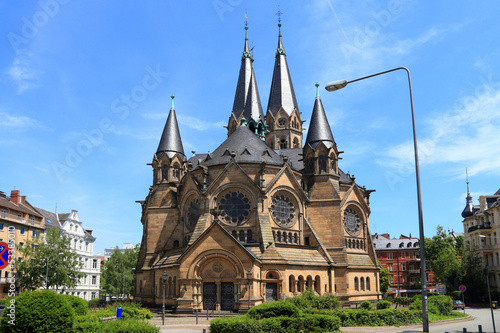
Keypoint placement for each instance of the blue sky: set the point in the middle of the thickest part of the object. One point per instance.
(85, 90)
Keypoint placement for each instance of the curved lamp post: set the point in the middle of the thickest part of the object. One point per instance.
(336, 85)
(164, 279)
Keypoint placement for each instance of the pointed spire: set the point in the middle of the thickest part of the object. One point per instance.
(469, 206)
(243, 78)
(282, 94)
(319, 129)
(253, 106)
(170, 142)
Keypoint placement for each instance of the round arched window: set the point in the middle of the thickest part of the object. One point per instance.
(352, 222)
(193, 214)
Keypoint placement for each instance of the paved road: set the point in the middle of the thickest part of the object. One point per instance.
(478, 317)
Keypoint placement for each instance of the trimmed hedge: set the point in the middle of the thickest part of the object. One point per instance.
(39, 312)
(308, 299)
(80, 305)
(392, 317)
(366, 305)
(282, 324)
(274, 309)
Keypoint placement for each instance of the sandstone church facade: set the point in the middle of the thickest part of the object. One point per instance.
(262, 217)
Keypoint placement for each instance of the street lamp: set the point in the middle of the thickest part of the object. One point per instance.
(249, 277)
(336, 85)
(485, 271)
(164, 278)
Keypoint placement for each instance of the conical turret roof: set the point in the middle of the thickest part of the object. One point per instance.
(253, 106)
(469, 206)
(244, 78)
(170, 142)
(319, 128)
(282, 93)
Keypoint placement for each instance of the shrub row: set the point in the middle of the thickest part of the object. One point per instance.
(308, 299)
(351, 317)
(282, 324)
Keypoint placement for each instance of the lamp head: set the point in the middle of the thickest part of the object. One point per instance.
(164, 276)
(336, 85)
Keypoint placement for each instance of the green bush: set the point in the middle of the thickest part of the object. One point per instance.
(393, 317)
(308, 299)
(38, 311)
(403, 300)
(443, 304)
(366, 305)
(273, 309)
(116, 326)
(383, 304)
(94, 303)
(80, 305)
(283, 324)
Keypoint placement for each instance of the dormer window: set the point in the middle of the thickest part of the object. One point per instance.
(388, 245)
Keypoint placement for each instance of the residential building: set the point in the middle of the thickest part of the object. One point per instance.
(261, 217)
(82, 242)
(401, 257)
(109, 252)
(19, 222)
(482, 232)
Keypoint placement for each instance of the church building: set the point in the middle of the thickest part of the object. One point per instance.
(262, 217)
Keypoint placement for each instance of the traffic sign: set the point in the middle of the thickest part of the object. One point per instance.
(4, 255)
(462, 288)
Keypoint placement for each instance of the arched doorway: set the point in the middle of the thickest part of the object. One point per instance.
(272, 286)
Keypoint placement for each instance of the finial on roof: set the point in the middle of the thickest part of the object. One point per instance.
(317, 89)
(172, 105)
(279, 18)
(467, 177)
(246, 22)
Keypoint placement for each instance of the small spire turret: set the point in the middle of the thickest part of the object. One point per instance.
(469, 205)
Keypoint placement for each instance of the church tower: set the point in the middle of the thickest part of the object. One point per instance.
(283, 117)
(247, 108)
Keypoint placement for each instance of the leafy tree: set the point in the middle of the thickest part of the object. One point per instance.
(385, 279)
(443, 254)
(473, 277)
(117, 276)
(49, 263)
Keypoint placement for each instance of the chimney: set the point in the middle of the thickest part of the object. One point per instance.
(14, 196)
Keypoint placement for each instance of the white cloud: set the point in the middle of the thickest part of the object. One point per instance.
(15, 122)
(466, 136)
(22, 73)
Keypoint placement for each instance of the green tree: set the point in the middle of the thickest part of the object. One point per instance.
(49, 263)
(117, 276)
(473, 277)
(385, 279)
(443, 255)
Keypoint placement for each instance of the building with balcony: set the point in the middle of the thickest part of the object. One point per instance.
(401, 257)
(19, 222)
(82, 242)
(482, 232)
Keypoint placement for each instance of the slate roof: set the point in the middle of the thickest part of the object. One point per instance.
(244, 78)
(319, 128)
(294, 157)
(170, 142)
(383, 243)
(247, 147)
(50, 218)
(282, 93)
(253, 106)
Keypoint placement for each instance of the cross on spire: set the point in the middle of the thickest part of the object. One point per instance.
(279, 14)
(246, 20)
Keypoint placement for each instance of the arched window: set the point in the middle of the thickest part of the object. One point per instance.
(252, 127)
(317, 284)
(176, 244)
(242, 236)
(165, 172)
(176, 172)
(362, 283)
(249, 236)
(356, 284)
(291, 283)
(283, 143)
(296, 143)
(235, 234)
(367, 283)
(322, 163)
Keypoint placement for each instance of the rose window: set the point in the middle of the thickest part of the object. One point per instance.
(234, 207)
(282, 210)
(351, 222)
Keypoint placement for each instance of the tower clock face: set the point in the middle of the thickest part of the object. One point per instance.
(282, 210)
(351, 222)
(234, 207)
(281, 122)
(193, 214)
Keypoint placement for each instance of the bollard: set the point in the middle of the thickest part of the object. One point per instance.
(465, 330)
(207, 314)
(204, 330)
(480, 328)
(196, 316)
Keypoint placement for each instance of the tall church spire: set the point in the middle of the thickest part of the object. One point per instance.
(469, 206)
(319, 129)
(243, 79)
(170, 142)
(282, 94)
(253, 106)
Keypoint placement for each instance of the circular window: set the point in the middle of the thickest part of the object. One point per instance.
(351, 222)
(234, 207)
(282, 210)
(193, 214)
(281, 122)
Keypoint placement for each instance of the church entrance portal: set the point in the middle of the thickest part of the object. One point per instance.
(271, 292)
(209, 295)
(227, 296)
